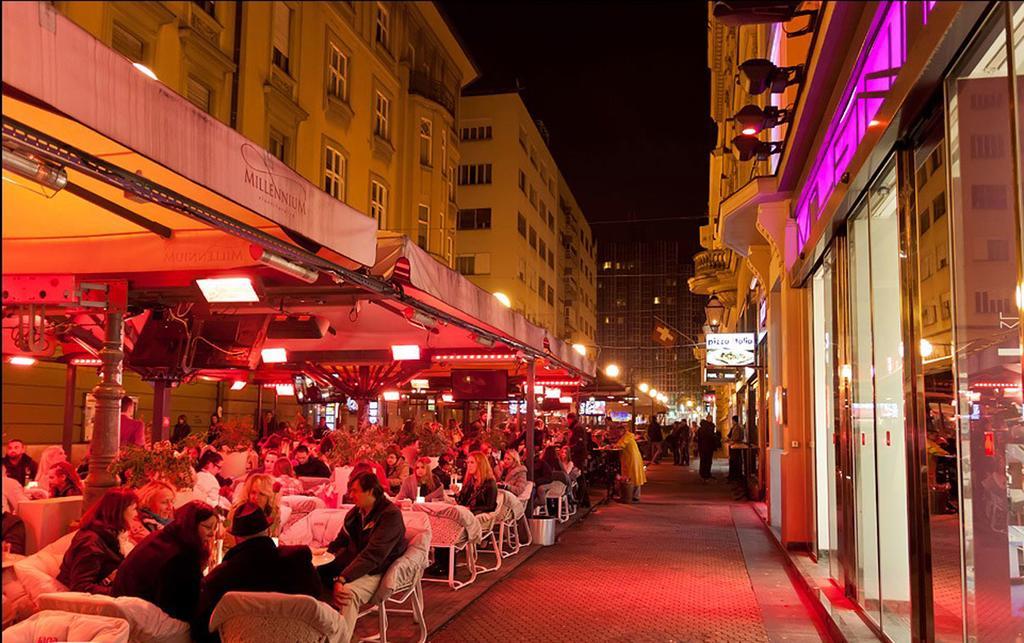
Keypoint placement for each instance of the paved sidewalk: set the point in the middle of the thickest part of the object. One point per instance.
(688, 563)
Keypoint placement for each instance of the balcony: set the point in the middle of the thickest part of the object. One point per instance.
(714, 272)
(422, 85)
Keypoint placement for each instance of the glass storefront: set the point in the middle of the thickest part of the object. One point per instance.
(952, 401)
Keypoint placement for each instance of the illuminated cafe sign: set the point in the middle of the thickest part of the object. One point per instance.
(731, 350)
(713, 375)
(884, 52)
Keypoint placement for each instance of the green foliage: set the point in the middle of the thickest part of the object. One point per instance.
(495, 436)
(236, 435)
(434, 438)
(138, 465)
(371, 441)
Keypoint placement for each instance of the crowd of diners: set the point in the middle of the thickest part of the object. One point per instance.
(142, 541)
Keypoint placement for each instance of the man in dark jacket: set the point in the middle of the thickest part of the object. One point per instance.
(255, 564)
(579, 453)
(308, 466)
(707, 444)
(372, 538)
(19, 464)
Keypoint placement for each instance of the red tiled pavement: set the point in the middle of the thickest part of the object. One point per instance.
(672, 568)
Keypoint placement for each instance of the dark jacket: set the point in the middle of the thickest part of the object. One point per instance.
(541, 472)
(164, 571)
(654, 432)
(482, 499)
(23, 471)
(180, 432)
(313, 468)
(255, 565)
(14, 533)
(94, 555)
(367, 548)
(579, 447)
(707, 438)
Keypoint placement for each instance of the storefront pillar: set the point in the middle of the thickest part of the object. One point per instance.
(531, 398)
(161, 410)
(107, 421)
(791, 399)
(69, 407)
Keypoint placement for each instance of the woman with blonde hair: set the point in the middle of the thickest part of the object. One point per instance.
(513, 472)
(155, 509)
(422, 483)
(51, 456)
(259, 490)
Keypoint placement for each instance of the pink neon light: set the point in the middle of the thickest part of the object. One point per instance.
(877, 67)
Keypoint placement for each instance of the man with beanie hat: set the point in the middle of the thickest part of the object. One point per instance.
(255, 564)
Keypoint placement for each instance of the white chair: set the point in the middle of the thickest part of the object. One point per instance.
(488, 523)
(147, 623)
(38, 572)
(402, 582)
(66, 626)
(523, 520)
(456, 529)
(271, 617)
(509, 540)
(554, 490)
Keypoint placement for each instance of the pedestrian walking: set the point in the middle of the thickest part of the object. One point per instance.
(735, 453)
(656, 438)
(708, 441)
(674, 441)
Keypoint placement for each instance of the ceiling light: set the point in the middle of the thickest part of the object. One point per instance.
(503, 298)
(421, 319)
(279, 263)
(48, 176)
(746, 147)
(565, 399)
(419, 384)
(286, 390)
(21, 360)
(86, 361)
(447, 397)
(274, 355)
(612, 370)
(644, 387)
(753, 119)
(405, 352)
(926, 348)
(392, 396)
(228, 290)
(486, 342)
(145, 70)
(762, 75)
(238, 385)
(552, 393)
(580, 348)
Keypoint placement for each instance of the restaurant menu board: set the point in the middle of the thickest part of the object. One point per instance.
(592, 407)
(731, 350)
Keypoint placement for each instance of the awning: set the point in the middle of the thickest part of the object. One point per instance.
(68, 82)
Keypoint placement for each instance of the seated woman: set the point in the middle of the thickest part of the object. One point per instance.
(259, 490)
(284, 477)
(155, 509)
(64, 481)
(567, 465)
(479, 494)
(513, 473)
(50, 457)
(422, 483)
(167, 568)
(207, 487)
(397, 470)
(95, 554)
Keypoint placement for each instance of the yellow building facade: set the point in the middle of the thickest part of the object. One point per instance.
(359, 97)
(513, 236)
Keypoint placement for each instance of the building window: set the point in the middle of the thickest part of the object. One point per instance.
(521, 225)
(282, 17)
(522, 181)
(924, 220)
(533, 196)
(475, 174)
(335, 166)
(551, 220)
(379, 203)
(533, 238)
(475, 264)
(542, 249)
(278, 145)
(522, 138)
(199, 94)
(426, 142)
(474, 219)
(551, 296)
(998, 250)
(939, 206)
(551, 259)
(423, 226)
(206, 5)
(541, 285)
(127, 44)
(337, 69)
(606, 265)
(657, 300)
(449, 249)
(533, 156)
(382, 116)
(478, 133)
(383, 30)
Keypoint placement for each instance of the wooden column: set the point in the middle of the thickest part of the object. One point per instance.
(69, 407)
(108, 392)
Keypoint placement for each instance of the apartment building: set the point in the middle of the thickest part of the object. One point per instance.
(521, 234)
(359, 97)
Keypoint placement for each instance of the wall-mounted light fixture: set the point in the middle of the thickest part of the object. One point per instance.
(761, 75)
(279, 263)
(30, 168)
(752, 119)
(746, 147)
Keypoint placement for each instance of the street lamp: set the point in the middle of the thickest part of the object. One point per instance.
(612, 370)
(580, 348)
(643, 387)
(714, 310)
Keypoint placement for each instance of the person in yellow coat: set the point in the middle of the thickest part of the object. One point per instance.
(632, 462)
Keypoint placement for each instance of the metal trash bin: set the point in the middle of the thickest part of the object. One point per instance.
(627, 491)
(543, 530)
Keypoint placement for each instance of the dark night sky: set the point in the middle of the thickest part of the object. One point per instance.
(623, 91)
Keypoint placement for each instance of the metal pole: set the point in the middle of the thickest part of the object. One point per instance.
(531, 378)
(261, 430)
(161, 408)
(69, 407)
(106, 432)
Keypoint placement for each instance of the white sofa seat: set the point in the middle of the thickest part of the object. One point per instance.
(66, 626)
(271, 617)
(38, 573)
(147, 623)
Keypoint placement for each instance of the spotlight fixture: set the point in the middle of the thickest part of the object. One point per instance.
(746, 147)
(405, 352)
(762, 75)
(421, 319)
(223, 290)
(753, 120)
(279, 263)
(30, 168)
(486, 342)
(274, 355)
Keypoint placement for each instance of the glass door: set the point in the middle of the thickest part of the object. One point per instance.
(825, 428)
